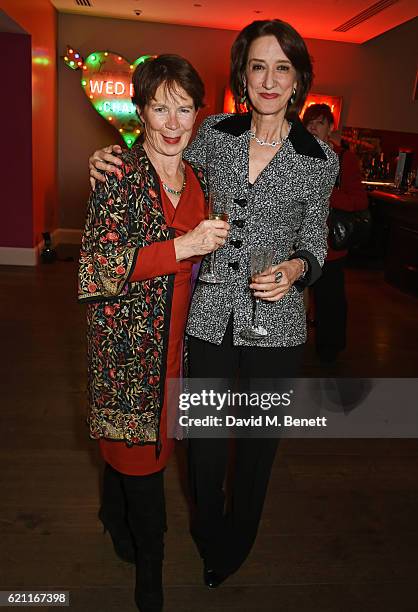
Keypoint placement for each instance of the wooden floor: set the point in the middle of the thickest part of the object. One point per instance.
(339, 531)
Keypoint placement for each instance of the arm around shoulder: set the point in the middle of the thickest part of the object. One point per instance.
(197, 150)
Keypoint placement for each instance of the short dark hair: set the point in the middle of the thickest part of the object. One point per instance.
(314, 111)
(293, 46)
(172, 71)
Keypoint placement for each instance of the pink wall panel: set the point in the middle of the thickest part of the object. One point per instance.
(16, 138)
(38, 18)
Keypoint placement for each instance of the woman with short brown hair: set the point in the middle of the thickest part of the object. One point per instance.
(145, 228)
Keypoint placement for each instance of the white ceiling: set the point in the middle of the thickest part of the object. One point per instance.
(312, 19)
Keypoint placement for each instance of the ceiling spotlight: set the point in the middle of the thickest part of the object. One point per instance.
(257, 11)
(138, 12)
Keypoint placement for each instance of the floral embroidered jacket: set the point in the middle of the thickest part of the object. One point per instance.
(128, 323)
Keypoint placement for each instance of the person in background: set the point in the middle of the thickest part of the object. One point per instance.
(145, 228)
(329, 294)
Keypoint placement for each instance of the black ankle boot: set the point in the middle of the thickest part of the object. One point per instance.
(122, 539)
(147, 522)
(149, 584)
(113, 515)
(123, 547)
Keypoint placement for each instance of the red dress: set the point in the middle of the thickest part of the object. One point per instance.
(156, 260)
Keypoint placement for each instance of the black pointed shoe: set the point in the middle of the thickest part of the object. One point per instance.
(212, 578)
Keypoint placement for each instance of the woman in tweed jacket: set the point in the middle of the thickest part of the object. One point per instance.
(280, 178)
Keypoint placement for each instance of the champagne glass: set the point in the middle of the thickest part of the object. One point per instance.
(261, 259)
(218, 209)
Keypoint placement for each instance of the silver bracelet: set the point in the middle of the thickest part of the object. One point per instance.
(305, 267)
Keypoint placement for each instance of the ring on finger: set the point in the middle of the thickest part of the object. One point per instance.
(278, 277)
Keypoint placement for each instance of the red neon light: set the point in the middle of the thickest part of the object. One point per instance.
(229, 104)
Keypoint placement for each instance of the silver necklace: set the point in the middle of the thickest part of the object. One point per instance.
(273, 143)
(176, 192)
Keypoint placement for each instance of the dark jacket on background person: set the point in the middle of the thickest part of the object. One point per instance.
(349, 193)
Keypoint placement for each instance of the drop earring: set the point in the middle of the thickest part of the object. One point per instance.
(243, 98)
(293, 96)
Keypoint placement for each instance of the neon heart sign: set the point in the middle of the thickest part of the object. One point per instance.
(106, 79)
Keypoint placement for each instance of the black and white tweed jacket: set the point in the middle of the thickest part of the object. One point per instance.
(286, 208)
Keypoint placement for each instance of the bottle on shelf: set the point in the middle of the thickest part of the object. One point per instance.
(381, 167)
(373, 170)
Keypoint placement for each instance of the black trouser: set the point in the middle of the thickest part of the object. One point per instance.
(330, 309)
(134, 507)
(225, 539)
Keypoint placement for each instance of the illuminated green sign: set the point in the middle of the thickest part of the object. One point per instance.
(106, 79)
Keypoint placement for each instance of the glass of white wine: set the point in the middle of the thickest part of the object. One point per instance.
(218, 209)
(261, 259)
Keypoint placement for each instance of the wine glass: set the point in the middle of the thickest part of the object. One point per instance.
(218, 209)
(261, 259)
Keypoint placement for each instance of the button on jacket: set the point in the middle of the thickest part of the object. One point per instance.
(286, 209)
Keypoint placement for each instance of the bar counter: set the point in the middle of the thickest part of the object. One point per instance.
(395, 231)
(394, 197)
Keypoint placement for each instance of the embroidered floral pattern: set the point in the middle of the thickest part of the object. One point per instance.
(127, 322)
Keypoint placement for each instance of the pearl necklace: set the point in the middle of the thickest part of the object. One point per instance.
(176, 192)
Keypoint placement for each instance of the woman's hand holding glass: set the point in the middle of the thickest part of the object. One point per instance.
(218, 210)
(203, 239)
(269, 287)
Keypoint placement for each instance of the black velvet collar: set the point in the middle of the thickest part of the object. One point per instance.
(303, 142)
